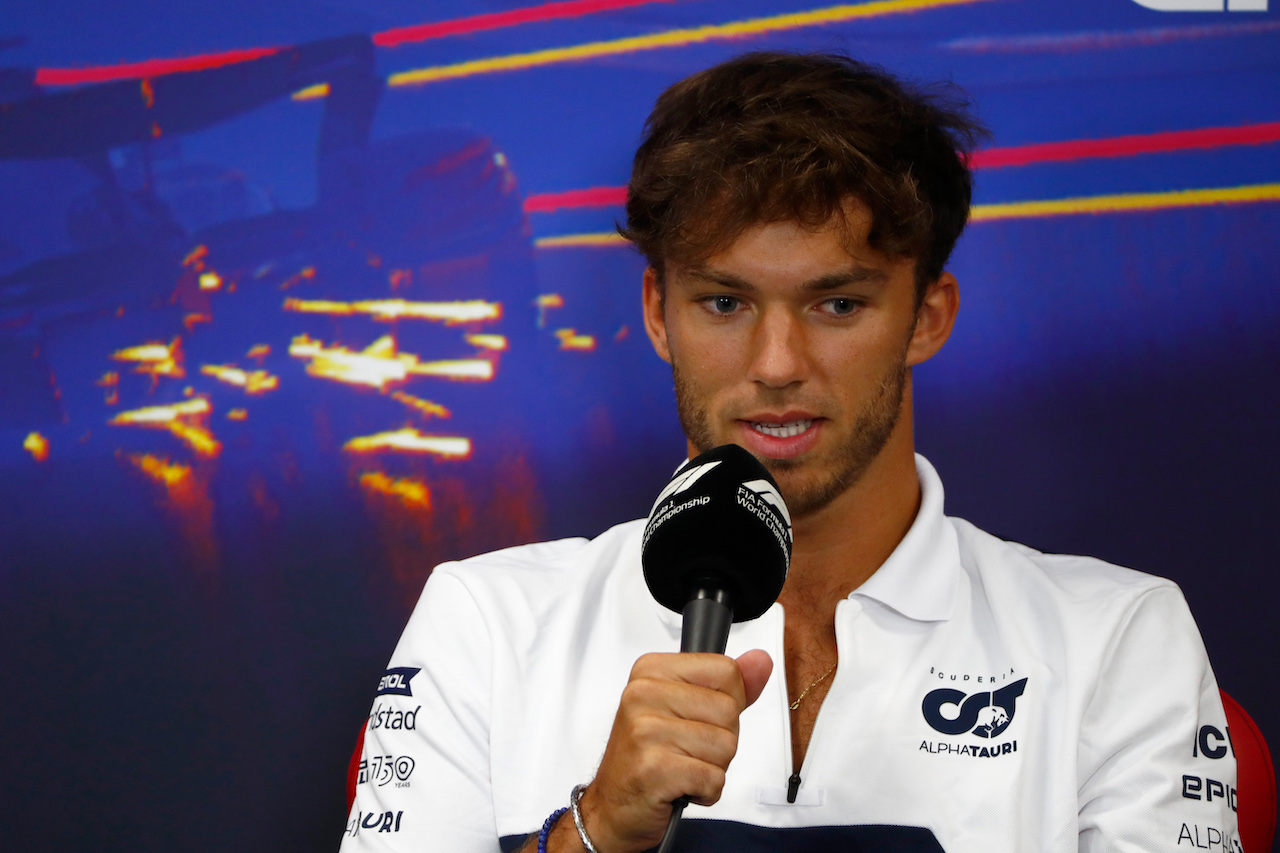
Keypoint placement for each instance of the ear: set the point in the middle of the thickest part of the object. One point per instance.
(655, 324)
(934, 320)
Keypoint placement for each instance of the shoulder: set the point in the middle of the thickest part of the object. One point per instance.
(1076, 592)
(1072, 575)
(520, 586)
(544, 565)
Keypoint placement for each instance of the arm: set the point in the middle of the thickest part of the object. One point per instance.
(426, 785)
(1156, 769)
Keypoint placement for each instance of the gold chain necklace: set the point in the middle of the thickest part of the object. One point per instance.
(795, 706)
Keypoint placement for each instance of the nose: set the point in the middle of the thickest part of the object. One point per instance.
(779, 358)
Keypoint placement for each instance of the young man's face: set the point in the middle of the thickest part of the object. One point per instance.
(795, 344)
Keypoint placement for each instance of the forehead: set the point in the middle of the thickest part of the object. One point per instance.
(793, 252)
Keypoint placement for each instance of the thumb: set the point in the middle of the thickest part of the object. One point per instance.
(756, 667)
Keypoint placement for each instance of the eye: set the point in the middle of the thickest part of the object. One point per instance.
(840, 306)
(723, 304)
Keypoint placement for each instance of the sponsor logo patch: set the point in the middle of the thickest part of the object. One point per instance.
(1207, 838)
(985, 715)
(381, 770)
(396, 680)
(392, 718)
(374, 822)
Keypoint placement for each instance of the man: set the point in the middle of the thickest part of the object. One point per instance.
(920, 685)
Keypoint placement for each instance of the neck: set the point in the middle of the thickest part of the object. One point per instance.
(836, 548)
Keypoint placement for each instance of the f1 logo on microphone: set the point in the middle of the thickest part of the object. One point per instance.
(683, 481)
(1204, 5)
(770, 495)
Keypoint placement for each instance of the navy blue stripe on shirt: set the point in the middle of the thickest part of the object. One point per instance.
(726, 836)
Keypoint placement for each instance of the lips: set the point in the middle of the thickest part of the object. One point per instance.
(779, 436)
(782, 430)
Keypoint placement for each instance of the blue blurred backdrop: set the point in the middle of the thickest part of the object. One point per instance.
(298, 299)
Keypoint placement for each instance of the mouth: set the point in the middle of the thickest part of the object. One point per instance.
(781, 430)
(780, 435)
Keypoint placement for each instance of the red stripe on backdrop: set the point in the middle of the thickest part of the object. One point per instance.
(1125, 146)
(590, 197)
(496, 20)
(387, 38)
(995, 158)
(147, 68)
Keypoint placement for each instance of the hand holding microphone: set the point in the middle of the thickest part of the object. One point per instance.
(716, 548)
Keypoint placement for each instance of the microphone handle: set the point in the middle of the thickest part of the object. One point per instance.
(707, 616)
(708, 613)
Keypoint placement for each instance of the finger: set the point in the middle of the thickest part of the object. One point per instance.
(703, 741)
(756, 667)
(680, 700)
(713, 671)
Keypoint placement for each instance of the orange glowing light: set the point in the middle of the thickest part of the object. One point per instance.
(409, 440)
(621, 334)
(161, 414)
(252, 381)
(410, 491)
(258, 351)
(425, 407)
(461, 369)
(148, 93)
(571, 340)
(154, 359)
(195, 258)
(171, 418)
(379, 364)
(109, 380)
(544, 303)
(210, 281)
(305, 273)
(190, 320)
(37, 445)
(493, 342)
(237, 415)
(160, 469)
(452, 313)
(198, 438)
(310, 93)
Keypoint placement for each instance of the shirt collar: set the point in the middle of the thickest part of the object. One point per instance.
(922, 575)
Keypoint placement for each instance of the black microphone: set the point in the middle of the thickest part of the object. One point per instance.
(716, 549)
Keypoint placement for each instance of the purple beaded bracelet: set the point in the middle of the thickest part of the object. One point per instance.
(546, 828)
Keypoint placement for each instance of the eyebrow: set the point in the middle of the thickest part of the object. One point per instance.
(831, 281)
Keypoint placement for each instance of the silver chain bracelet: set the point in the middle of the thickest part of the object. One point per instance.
(574, 799)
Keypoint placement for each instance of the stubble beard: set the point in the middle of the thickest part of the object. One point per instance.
(872, 427)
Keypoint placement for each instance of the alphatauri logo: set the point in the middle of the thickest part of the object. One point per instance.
(1204, 5)
(986, 715)
(683, 481)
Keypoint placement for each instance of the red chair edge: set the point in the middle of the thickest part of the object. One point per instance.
(353, 766)
(1255, 779)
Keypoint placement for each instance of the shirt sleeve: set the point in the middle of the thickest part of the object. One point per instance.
(424, 780)
(1156, 767)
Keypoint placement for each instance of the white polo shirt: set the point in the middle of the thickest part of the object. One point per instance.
(988, 698)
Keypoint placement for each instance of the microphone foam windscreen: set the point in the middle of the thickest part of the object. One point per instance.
(722, 519)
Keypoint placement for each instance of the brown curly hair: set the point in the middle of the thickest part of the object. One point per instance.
(771, 137)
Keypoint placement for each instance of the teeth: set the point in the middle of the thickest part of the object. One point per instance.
(783, 430)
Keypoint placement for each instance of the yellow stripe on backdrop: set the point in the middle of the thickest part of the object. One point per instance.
(668, 38)
(1116, 203)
